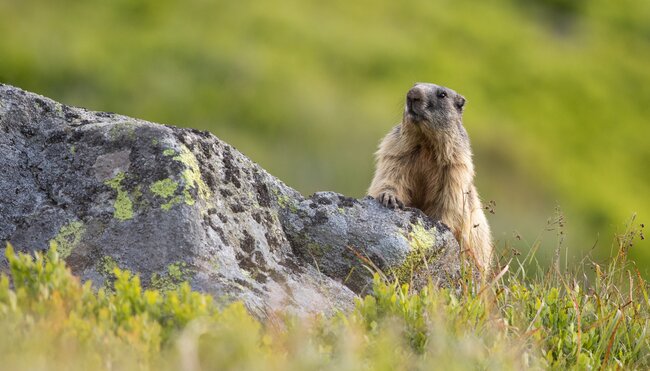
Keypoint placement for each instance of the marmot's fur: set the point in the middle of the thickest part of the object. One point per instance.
(426, 162)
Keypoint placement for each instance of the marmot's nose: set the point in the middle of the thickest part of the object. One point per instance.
(414, 96)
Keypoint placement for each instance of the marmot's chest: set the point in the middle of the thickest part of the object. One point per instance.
(426, 175)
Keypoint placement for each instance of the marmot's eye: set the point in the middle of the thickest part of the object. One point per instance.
(442, 94)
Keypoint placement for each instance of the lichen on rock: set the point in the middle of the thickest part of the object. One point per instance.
(350, 239)
(166, 189)
(69, 237)
(107, 266)
(123, 130)
(191, 177)
(123, 205)
(172, 278)
(422, 241)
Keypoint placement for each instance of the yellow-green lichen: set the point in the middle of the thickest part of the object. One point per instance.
(176, 274)
(154, 142)
(191, 176)
(189, 200)
(69, 237)
(122, 130)
(168, 205)
(175, 271)
(421, 240)
(106, 266)
(166, 188)
(73, 149)
(285, 201)
(123, 205)
(191, 179)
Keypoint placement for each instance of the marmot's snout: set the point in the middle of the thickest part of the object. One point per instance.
(415, 102)
(414, 95)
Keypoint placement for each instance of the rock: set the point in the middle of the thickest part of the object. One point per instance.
(177, 204)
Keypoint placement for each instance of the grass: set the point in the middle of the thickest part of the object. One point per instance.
(513, 320)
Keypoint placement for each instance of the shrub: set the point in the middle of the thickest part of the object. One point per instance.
(50, 321)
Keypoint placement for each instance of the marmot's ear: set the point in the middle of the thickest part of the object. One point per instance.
(460, 102)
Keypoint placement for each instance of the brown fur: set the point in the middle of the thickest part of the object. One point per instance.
(426, 162)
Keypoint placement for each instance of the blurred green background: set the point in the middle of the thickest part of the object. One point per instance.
(558, 90)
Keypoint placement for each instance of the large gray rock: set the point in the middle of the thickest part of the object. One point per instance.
(176, 204)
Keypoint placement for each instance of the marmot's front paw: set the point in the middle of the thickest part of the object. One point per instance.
(389, 200)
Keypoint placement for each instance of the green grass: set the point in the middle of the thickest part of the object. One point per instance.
(557, 89)
(511, 320)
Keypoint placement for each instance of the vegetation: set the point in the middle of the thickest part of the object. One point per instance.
(558, 95)
(49, 320)
(557, 89)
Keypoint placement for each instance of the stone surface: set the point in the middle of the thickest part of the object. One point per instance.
(177, 204)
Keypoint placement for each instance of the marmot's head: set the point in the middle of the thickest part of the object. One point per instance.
(435, 107)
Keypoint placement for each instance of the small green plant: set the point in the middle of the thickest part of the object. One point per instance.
(510, 321)
(41, 297)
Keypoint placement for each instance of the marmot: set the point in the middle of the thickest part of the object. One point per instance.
(426, 162)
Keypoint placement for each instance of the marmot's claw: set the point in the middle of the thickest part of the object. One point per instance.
(389, 200)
